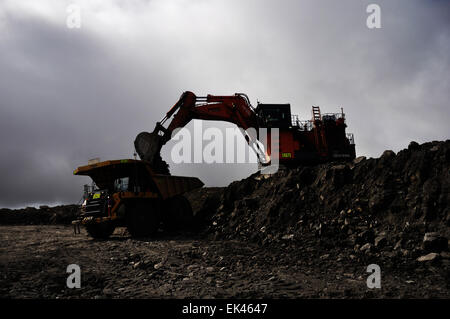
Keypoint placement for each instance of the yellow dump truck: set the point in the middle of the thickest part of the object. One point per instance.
(129, 193)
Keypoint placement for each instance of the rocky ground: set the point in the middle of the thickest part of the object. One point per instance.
(35, 258)
(310, 232)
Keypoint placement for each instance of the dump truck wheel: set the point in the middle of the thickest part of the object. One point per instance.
(178, 214)
(100, 230)
(143, 219)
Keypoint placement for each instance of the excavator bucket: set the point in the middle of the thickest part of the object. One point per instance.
(148, 145)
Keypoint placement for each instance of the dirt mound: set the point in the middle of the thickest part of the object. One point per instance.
(367, 205)
(43, 215)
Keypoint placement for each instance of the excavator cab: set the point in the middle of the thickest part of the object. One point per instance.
(275, 115)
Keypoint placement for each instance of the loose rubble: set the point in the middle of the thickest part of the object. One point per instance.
(398, 202)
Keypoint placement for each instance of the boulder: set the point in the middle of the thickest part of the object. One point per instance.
(429, 257)
(433, 242)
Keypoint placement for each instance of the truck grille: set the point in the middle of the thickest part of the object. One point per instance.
(94, 208)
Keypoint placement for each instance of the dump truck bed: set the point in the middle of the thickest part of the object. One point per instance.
(104, 173)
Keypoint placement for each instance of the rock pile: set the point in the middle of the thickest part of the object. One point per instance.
(397, 203)
(44, 215)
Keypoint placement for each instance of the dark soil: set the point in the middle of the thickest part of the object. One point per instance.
(34, 260)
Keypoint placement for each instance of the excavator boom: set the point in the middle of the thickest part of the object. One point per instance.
(235, 109)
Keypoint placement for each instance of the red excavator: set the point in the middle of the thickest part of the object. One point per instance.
(321, 139)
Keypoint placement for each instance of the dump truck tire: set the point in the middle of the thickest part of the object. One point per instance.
(143, 219)
(177, 214)
(100, 230)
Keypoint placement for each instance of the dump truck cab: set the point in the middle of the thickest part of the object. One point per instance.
(128, 193)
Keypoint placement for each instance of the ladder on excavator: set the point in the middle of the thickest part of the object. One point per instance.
(316, 113)
(321, 143)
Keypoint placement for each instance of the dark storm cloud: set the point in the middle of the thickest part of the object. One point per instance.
(70, 95)
(63, 101)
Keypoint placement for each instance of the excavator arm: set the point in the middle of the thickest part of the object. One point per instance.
(235, 109)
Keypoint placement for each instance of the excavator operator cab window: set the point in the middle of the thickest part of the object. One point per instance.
(275, 115)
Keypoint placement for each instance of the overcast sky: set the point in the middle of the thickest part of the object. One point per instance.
(69, 95)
